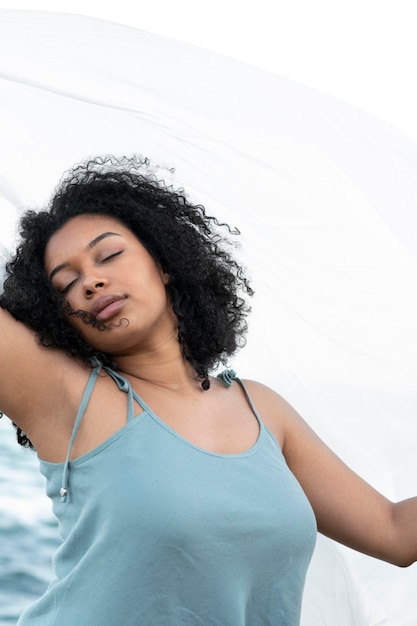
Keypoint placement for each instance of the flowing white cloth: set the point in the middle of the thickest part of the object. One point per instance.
(325, 197)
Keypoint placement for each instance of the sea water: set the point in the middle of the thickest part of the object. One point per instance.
(28, 530)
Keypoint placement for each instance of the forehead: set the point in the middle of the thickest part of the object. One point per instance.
(79, 232)
(79, 229)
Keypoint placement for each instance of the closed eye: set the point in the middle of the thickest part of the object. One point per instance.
(111, 256)
(67, 288)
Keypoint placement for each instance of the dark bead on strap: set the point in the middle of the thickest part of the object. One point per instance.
(205, 384)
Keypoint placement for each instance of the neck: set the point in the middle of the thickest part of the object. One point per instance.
(165, 368)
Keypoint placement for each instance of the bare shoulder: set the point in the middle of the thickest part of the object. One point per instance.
(264, 396)
(276, 413)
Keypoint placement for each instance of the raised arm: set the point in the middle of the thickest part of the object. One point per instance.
(32, 383)
(347, 508)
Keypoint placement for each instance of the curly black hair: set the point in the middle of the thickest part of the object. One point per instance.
(206, 284)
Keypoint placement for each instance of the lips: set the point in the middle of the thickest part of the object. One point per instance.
(107, 306)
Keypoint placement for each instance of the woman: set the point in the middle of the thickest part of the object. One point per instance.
(181, 498)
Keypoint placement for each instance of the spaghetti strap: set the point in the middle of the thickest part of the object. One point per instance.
(123, 385)
(84, 402)
(227, 377)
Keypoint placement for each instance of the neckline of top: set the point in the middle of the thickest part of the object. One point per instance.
(227, 377)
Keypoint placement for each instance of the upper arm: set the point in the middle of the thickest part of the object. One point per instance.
(347, 508)
(30, 373)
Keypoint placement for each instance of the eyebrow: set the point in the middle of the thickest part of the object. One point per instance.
(89, 246)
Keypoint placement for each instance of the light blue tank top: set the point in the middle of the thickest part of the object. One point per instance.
(159, 532)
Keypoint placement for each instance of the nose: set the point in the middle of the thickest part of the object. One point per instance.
(92, 284)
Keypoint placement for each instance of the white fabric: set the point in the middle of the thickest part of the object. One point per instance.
(325, 197)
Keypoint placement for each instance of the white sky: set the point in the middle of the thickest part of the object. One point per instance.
(362, 51)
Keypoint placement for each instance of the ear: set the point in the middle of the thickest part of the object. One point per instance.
(164, 275)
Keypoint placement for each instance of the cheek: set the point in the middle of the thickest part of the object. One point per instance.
(79, 319)
(71, 307)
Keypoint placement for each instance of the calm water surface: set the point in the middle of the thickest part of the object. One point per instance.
(28, 532)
